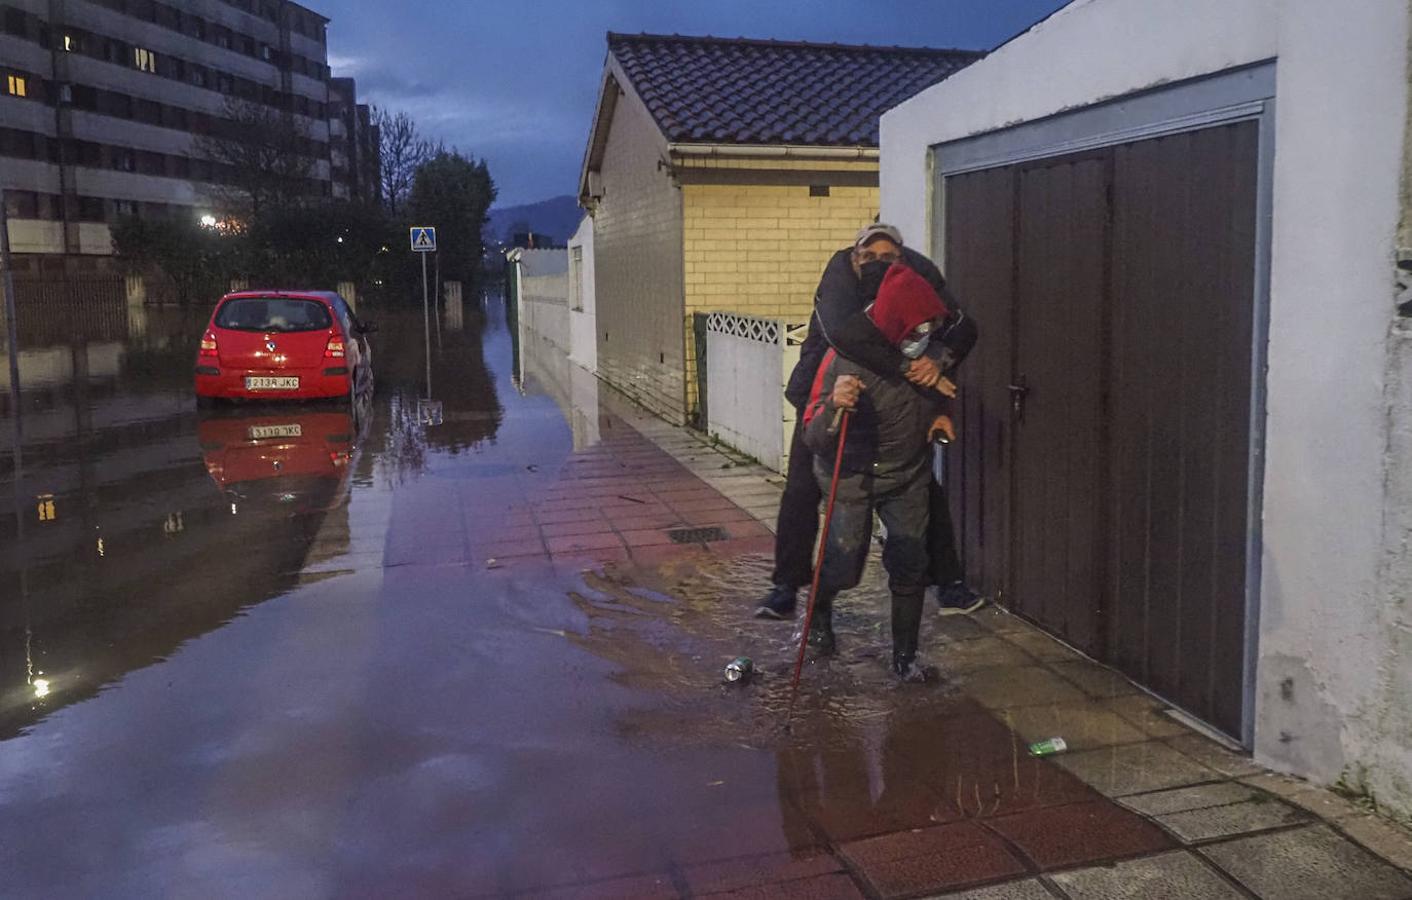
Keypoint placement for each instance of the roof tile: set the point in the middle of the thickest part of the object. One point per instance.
(774, 92)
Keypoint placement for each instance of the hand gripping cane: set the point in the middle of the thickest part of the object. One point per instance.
(839, 424)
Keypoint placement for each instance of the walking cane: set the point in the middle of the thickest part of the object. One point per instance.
(839, 424)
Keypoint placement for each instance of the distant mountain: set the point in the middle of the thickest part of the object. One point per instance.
(557, 217)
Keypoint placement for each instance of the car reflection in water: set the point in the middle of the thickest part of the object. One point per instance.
(279, 463)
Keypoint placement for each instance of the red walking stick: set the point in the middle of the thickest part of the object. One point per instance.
(819, 562)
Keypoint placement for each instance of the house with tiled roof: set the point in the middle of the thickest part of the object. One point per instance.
(720, 175)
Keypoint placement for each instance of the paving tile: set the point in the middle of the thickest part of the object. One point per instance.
(747, 529)
(508, 550)
(985, 786)
(1213, 755)
(953, 629)
(1083, 726)
(1135, 768)
(1260, 814)
(551, 517)
(994, 618)
(932, 859)
(1177, 875)
(980, 653)
(645, 522)
(1201, 796)
(646, 538)
(1146, 713)
(565, 529)
(669, 555)
(846, 810)
(1028, 889)
(578, 543)
(1081, 833)
(638, 887)
(1313, 863)
(1387, 839)
(715, 516)
(1009, 686)
(1096, 680)
(761, 545)
(822, 887)
(578, 562)
(1042, 646)
(732, 874)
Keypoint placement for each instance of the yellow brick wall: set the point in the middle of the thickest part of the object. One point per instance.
(759, 249)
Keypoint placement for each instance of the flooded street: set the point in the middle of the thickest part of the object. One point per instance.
(317, 651)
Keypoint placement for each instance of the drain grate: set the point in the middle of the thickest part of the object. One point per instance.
(696, 535)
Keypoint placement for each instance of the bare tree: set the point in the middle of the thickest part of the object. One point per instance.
(262, 153)
(402, 150)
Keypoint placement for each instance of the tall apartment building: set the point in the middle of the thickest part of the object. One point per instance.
(353, 144)
(102, 103)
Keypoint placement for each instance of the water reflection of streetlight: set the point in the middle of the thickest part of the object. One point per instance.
(208, 221)
(41, 687)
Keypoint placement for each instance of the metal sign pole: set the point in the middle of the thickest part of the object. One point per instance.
(426, 321)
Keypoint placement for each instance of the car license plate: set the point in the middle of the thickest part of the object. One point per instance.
(268, 383)
(262, 432)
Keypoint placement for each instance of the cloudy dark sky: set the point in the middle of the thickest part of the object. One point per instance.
(516, 82)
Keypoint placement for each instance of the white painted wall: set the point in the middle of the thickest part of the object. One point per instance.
(1090, 50)
(1335, 655)
(583, 323)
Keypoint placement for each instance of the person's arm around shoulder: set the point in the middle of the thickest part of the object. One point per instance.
(840, 308)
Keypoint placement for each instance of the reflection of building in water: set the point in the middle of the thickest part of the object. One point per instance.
(138, 550)
(548, 301)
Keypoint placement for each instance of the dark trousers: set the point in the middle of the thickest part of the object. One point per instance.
(798, 524)
(901, 500)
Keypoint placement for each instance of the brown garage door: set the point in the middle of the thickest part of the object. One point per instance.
(1106, 494)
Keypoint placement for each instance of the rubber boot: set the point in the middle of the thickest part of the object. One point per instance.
(906, 630)
(821, 636)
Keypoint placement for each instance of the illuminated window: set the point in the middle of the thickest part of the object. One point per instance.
(17, 85)
(70, 43)
(145, 60)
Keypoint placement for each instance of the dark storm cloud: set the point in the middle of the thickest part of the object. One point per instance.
(516, 84)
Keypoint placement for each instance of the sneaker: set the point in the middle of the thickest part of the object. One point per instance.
(779, 603)
(955, 599)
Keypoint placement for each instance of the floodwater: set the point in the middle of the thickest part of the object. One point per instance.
(235, 661)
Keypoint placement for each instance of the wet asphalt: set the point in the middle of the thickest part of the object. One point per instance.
(215, 680)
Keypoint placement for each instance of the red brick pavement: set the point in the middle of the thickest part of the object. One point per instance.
(617, 501)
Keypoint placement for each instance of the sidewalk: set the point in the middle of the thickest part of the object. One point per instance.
(1140, 806)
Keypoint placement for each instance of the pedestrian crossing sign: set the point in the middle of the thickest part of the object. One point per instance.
(423, 239)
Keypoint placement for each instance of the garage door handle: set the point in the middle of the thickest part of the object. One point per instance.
(1018, 392)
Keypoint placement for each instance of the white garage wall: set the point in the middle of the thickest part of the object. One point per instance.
(1335, 656)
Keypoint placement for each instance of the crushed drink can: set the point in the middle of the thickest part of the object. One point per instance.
(739, 669)
(1048, 747)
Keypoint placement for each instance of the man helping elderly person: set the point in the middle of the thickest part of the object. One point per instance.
(884, 465)
(850, 282)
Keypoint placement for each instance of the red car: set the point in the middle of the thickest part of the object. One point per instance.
(275, 345)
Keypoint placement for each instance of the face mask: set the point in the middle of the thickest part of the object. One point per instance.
(912, 348)
(871, 277)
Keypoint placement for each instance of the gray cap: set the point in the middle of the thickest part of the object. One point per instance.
(877, 230)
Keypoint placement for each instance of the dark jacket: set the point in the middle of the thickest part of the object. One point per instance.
(839, 321)
(887, 433)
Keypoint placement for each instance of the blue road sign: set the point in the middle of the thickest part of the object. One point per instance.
(423, 239)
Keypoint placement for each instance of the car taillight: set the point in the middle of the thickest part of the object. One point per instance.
(334, 350)
(208, 345)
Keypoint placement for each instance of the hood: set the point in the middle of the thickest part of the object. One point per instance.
(904, 301)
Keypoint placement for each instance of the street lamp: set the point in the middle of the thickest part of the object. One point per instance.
(208, 221)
